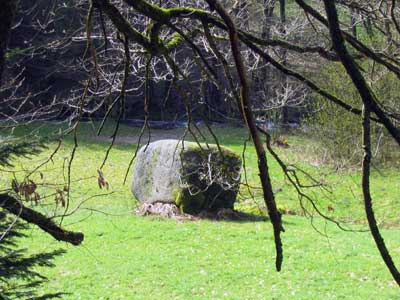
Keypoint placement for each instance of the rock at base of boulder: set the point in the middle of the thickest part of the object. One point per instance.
(172, 211)
(194, 177)
(169, 210)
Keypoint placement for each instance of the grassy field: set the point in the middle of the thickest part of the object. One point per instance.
(125, 256)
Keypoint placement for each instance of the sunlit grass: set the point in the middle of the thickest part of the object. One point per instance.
(130, 257)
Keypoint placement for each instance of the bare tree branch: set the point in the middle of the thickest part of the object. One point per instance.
(16, 207)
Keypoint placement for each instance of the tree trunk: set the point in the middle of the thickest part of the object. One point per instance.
(8, 9)
(353, 22)
(283, 78)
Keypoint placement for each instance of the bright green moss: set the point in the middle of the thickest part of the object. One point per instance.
(215, 174)
(174, 41)
(190, 204)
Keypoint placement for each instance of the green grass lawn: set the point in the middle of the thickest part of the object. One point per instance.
(125, 256)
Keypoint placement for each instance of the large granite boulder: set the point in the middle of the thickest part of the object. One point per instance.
(195, 178)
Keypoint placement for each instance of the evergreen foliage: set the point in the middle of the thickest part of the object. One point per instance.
(18, 277)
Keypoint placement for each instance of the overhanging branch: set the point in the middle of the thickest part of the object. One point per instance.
(29, 215)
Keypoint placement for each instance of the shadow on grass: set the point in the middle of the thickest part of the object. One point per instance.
(164, 211)
(231, 215)
(50, 296)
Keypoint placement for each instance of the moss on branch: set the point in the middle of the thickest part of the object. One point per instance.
(174, 41)
(122, 25)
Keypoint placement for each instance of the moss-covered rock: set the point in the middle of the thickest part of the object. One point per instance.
(196, 178)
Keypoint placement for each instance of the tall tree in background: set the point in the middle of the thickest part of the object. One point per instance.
(7, 13)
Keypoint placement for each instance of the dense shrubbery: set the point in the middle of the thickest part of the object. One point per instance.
(339, 132)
